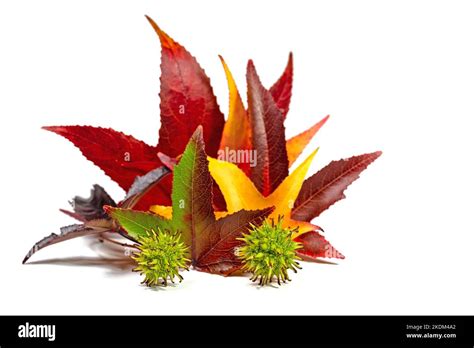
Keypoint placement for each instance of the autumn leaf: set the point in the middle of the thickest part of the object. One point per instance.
(187, 99)
(240, 193)
(90, 211)
(281, 90)
(212, 242)
(268, 136)
(315, 246)
(237, 134)
(327, 186)
(120, 156)
(93, 227)
(296, 145)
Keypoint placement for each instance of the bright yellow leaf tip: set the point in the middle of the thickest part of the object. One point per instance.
(240, 193)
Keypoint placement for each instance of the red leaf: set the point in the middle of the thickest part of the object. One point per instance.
(281, 90)
(327, 186)
(120, 156)
(159, 194)
(268, 136)
(315, 246)
(187, 100)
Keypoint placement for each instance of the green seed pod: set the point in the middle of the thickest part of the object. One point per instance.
(160, 257)
(269, 252)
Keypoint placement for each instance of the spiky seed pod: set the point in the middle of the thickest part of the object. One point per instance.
(269, 252)
(160, 257)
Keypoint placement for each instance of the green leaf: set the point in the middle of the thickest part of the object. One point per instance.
(137, 223)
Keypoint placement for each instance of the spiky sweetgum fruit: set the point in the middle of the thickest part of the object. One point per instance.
(161, 256)
(269, 252)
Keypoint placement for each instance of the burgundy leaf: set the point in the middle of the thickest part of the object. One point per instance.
(327, 186)
(268, 136)
(281, 90)
(316, 246)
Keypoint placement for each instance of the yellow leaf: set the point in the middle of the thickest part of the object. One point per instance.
(163, 211)
(240, 193)
(236, 133)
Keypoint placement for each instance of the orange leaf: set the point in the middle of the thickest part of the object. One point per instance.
(296, 145)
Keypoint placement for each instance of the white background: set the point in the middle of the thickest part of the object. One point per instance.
(396, 76)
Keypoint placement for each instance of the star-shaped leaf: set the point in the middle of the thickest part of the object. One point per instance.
(212, 242)
(187, 99)
(240, 193)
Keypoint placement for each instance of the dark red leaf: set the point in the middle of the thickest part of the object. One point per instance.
(268, 136)
(327, 186)
(316, 246)
(281, 90)
(71, 232)
(187, 100)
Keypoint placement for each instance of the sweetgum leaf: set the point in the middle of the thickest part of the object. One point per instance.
(268, 136)
(120, 156)
(240, 193)
(212, 242)
(281, 90)
(187, 99)
(67, 233)
(314, 246)
(327, 186)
